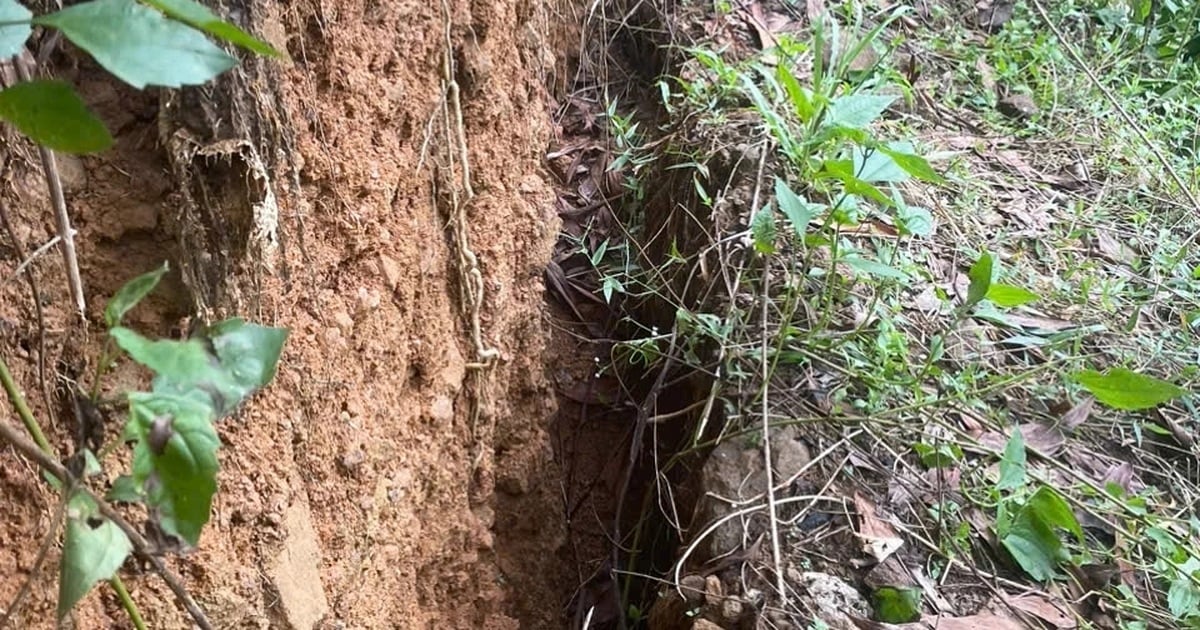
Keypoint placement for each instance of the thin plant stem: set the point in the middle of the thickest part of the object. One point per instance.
(127, 602)
(18, 402)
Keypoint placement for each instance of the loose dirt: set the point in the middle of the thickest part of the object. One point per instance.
(361, 489)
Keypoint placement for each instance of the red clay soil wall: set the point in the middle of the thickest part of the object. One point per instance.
(358, 491)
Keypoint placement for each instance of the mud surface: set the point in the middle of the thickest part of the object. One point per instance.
(381, 481)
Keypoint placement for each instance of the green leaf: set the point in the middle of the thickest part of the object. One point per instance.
(843, 171)
(762, 228)
(1012, 462)
(874, 268)
(139, 45)
(981, 280)
(202, 18)
(1034, 545)
(1124, 389)
(243, 358)
(1033, 540)
(13, 36)
(1182, 598)
(896, 605)
(797, 94)
(872, 165)
(52, 115)
(129, 295)
(856, 111)
(124, 490)
(1008, 296)
(940, 456)
(1048, 505)
(93, 549)
(914, 220)
(175, 460)
(903, 155)
(798, 211)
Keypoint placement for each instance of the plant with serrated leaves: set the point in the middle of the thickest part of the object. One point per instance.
(171, 429)
(146, 43)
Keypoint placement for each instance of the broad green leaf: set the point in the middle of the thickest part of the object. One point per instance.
(202, 18)
(93, 549)
(981, 280)
(129, 295)
(1012, 462)
(939, 456)
(798, 211)
(1034, 545)
(914, 220)
(903, 155)
(52, 115)
(843, 171)
(797, 94)
(1048, 505)
(1121, 388)
(856, 111)
(872, 165)
(124, 490)
(175, 460)
(13, 36)
(762, 228)
(138, 44)
(1182, 598)
(182, 368)
(250, 352)
(896, 605)
(874, 268)
(1008, 296)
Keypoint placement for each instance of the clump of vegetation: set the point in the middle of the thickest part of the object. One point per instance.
(983, 317)
(196, 381)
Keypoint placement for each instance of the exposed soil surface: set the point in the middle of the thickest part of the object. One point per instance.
(384, 479)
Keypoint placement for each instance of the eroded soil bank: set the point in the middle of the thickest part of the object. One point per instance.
(385, 479)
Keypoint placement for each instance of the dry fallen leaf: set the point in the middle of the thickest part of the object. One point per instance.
(1078, 414)
(1038, 322)
(1114, 250)
(879, 539)
(1053, 610)
(1045, 440)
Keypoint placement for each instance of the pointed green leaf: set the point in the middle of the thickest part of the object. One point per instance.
(875, 166)
(138, 44)
(903, 155)
(856, 111)
(762, 229)
(798, 211)
(914, 220)
(843, 171)
(182, 368)
(129, 295)
(896, 605)
(1008, 296)
(1034, 545)
(1048, 505)
(13, 34)
(1121, 388)
(981, 280)
(124, 490)
(248, 351)
(1012, 462)
(874, 268)
(175, 460)
(93, 549)
(52, 115)
(797, 94)
(202, 18)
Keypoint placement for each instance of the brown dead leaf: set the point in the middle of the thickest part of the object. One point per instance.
(1121, 475)
(1045, 440)
(1038, 322)
(987, 76)
(1114, 250)
(1053, 610)
(879, 539)
(1078, 414)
